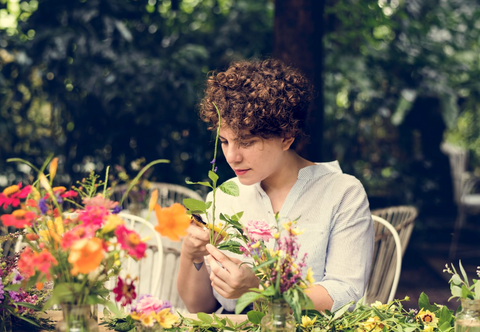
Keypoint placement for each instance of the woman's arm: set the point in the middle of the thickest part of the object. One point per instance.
(194, 285)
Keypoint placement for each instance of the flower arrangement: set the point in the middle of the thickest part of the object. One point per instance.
(18, 306)
(460, 285)
(73, 237)
(279, 270)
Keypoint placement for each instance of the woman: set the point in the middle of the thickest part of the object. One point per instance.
(263, 107)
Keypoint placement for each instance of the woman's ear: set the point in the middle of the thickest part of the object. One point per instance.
(287, 142)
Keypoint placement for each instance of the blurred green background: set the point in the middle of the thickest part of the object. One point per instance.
(117, 82)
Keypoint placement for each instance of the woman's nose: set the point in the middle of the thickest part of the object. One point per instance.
(233, 154)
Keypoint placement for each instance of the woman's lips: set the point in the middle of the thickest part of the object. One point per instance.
(241, 171)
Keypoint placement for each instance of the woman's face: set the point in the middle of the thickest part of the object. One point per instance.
(253, 159)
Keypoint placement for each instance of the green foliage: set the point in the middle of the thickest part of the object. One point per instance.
(397, 74)
(102, 82)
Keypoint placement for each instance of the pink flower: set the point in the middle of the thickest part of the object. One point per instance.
(259, 230)
(147, 304)
(77, 233)
(125, 290)
(12, 195)
(99, 200)
(130, 241)
(94, 215)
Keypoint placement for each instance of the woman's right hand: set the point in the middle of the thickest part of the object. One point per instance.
(194, 243)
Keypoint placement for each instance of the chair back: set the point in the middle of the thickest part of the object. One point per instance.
(458, 158)
(402, 218)
(167, 195)
(387, 263)
(148, 270)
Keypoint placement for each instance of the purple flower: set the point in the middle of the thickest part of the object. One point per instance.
(116, 209)
(215, 170)
(42, 204)
(1, 290)
(17, 277)
(59, 199)
(213, 161)
(15, 296)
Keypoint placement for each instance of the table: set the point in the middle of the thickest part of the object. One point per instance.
(56, 315)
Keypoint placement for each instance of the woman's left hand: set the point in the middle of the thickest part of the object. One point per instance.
(232, 280)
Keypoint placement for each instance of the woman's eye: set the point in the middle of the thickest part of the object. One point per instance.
(246, 144)
(223, 142)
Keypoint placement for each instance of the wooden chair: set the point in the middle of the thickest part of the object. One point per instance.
(464, 183)
(387, 263)
(402, 218)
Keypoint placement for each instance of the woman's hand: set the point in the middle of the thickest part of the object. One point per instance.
(231, 280)
(194, 243)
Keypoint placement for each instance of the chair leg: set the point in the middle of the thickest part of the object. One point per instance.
(456, 233)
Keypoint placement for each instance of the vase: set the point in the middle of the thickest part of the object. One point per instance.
(278, 318)
(77, 318)
(468, 318)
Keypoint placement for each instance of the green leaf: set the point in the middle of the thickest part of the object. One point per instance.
(232, 246)
(424, 302)
(477, 290)
(28, 320)
(270, 291)
(456, 279)
(195, 205)
(255, 317)
(202, 183)
(29, 305)
(205, 317)
(245, 300)
(230, 188)
(213, 176)
(464, 274)
(113, 308)
(20, 160)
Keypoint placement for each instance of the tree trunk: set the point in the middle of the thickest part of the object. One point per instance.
(298, 41)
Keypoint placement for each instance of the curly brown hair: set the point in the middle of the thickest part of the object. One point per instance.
(263, 98)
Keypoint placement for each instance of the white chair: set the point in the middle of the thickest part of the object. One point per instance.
(167, 195)
(387, 263)
(464, 183)
(401, 217)
(148, 270)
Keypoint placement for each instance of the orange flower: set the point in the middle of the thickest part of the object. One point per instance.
(86, 255)
(39, 285)
(153, 200)
(19, 218)
(173, 221)
(53, 168)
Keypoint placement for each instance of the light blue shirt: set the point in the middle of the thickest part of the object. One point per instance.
(333, 209)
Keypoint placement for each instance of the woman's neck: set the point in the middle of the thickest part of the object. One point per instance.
(278, 185)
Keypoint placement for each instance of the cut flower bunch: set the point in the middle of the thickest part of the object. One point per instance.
(73, 237)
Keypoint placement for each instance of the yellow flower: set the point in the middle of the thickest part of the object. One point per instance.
(428, 328)
(309, 278)
(113, 221)
(147, 320)
(165, 318)
(276, 235)
(308, 322)
(53, 168)
(11, 190)
(374, 324)
(256, 245)
(427, 317)
(53, 232)
(153, 200)
(35, 193)
(296, 231)
(59, 225)
(135, 316)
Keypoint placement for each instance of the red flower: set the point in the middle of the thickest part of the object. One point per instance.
(19, 218)
(12, 195)
(125, 290)
(25, 263)
(130, 241)
(78, 232)
(29, 260)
